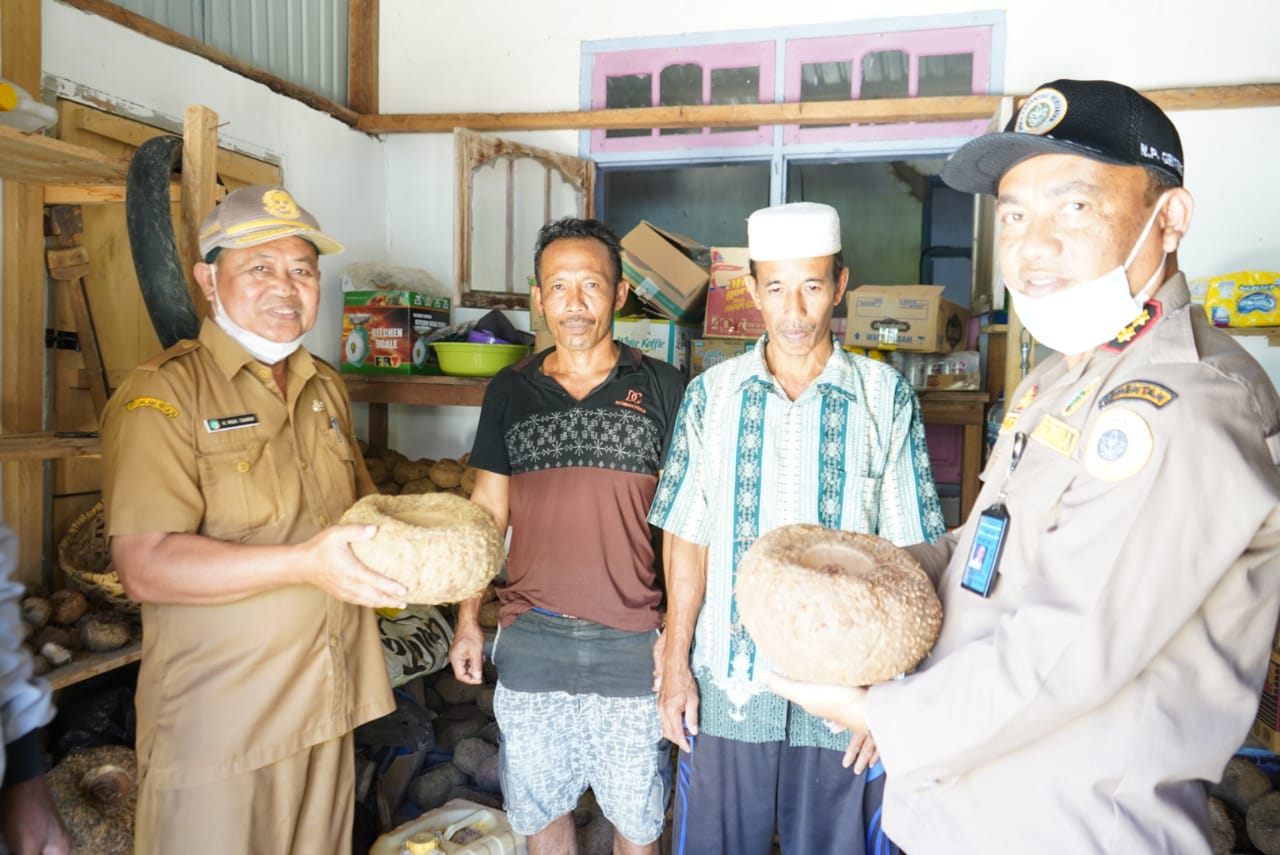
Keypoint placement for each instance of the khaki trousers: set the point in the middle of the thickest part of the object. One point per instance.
(303, 805)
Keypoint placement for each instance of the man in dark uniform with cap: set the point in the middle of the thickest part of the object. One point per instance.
(1100, 662)
(227, 461)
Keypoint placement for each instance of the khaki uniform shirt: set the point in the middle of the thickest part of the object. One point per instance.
(1115, 667)
(200, 440)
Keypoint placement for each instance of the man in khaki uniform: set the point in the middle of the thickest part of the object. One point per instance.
(227, 461)
(1095, 674)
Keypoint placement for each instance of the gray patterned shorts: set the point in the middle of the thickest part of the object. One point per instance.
(555, 745)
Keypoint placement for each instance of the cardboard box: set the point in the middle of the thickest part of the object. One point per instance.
(384, 332)
(731, 313)
(905, 317)
(657, 337)
(667, 271)
(707, 352)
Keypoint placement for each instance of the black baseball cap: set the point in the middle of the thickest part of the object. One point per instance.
(1097, 119)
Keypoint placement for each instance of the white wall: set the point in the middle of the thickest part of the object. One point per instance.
(463, 57)
(336, 173)
(393, 201)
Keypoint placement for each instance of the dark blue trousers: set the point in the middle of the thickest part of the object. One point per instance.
(730, 797)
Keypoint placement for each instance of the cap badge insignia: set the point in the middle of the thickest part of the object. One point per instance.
(280, 204)
(1041, 112)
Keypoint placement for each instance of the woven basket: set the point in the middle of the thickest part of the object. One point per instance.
(84, 557)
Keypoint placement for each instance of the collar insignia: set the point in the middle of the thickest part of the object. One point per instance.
(1151, 313)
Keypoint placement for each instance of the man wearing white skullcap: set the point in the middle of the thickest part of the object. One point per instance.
(795, 431)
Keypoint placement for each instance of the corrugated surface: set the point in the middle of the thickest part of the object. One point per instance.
(303, 41)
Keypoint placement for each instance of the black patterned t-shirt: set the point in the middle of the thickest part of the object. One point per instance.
(583, 475)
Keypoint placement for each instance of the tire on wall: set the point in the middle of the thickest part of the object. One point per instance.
(151, 239)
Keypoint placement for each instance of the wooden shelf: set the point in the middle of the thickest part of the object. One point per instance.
(36, 159)
(46, 446)
(1272, 334)
(417, 390)
(93, 664)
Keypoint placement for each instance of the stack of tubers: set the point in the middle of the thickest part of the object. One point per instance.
(66, 625)
(395, 473)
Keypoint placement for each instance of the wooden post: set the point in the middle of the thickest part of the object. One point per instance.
(24, 308)
(199, 188)
(362, 56)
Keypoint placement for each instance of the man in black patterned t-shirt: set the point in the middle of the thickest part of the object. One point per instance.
(569, 448)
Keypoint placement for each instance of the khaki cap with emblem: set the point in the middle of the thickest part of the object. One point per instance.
(259, 214)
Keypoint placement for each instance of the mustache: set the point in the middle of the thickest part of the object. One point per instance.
(797, 327)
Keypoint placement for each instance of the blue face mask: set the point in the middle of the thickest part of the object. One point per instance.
(1078, 319)
(262, 349)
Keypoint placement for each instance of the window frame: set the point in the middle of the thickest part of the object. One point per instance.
(882, 140)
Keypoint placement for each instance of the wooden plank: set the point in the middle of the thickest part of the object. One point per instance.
(1216, 97)
(22, 314)
(949, 108)
(417, 390)
(151, 29)
(20, 44)
(199, 160)
(886, 110)
(38, 160)
(93, 664)
(89, 351)
(236, 169)
(95, 194)
(44, 445)
(362, 55)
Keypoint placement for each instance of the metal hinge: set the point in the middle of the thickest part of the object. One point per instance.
(61, 339)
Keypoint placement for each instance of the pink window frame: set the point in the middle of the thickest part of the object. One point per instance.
(652, 61)
(915, 43)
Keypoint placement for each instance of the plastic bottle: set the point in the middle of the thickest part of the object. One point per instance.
(995, 416)
(19, 110)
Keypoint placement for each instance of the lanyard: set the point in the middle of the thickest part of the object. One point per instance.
(981, 565)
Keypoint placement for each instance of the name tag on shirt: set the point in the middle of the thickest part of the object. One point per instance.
(230, 422)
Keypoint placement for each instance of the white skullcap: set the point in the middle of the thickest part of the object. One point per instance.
(796, 230)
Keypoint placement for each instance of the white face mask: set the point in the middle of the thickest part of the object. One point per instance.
(262, 349)
(1078, 319)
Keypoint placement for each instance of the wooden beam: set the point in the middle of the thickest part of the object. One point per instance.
(362, 55)
(886, 110)
(232, 166)
(698, 116)
(36, 159)
(151, 29)
(199, 188)
(22, 307)
(1216, 97)
(95, 194)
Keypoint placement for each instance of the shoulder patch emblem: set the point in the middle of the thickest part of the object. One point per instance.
(1119, 445)
(154, 403)
(1155, 394)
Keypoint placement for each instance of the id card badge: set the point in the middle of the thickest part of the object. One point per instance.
(982, 565)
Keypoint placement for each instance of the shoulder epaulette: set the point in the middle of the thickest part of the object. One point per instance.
(181, 348)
